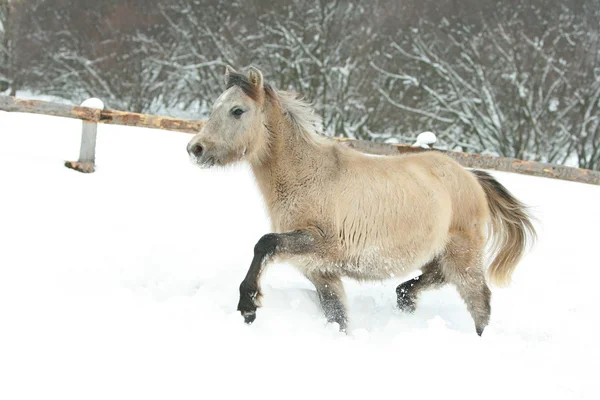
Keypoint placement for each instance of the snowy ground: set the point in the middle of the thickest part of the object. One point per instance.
(123, 284)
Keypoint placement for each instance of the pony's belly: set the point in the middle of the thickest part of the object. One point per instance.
(381, 264)
(370, 265)
(397, 253)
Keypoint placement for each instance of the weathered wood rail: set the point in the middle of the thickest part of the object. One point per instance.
(106, 116)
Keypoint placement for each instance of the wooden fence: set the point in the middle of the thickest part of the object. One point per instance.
(93, 116)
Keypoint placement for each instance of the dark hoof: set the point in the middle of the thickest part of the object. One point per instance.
(343, 326)
(405, 302)
(247, 308)
(249, 316)
(338, 318)
(248, 303)
(407, 307)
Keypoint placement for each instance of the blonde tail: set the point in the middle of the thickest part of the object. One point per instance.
(511, 229)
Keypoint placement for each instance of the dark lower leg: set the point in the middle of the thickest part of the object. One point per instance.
(332, 297)
(477, 296)
(408, 291)
(296, 242)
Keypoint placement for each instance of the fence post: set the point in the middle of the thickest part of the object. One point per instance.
(87, 151)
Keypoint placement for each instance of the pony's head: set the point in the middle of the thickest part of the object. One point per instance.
(236, 127)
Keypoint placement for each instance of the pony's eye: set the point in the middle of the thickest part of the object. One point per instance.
(237, 112)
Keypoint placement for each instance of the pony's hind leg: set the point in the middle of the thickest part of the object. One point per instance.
(332, 297)
(462, 265)
(408, 292)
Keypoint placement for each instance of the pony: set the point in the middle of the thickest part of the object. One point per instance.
(338, 213)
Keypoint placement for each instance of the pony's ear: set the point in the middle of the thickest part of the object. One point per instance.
(255, 77)
(228, 71)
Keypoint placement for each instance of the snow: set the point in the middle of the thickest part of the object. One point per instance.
(553, 104)
(93, 103)
(33, 95)
(124, 283)
(425, 139)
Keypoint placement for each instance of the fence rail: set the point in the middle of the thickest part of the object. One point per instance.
(106, 116)
(468, 160)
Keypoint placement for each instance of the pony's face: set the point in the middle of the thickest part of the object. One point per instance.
(235, 129)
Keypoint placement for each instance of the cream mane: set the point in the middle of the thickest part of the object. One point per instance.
(303, 117)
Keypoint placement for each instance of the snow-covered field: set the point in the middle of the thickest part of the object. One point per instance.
(123, 284)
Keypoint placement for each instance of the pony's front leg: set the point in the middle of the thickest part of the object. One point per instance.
(332, 297)
(272, 244)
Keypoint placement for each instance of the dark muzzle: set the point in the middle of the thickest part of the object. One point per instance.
(195, 150)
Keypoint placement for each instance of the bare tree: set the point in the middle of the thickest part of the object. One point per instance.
(496, 87)
(86, 49)
(518, 79)
(201, 38)
(319, 53)
(5, 47)
(313, 48)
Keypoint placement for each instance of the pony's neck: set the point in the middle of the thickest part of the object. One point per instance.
(288, 141)
(290, 153)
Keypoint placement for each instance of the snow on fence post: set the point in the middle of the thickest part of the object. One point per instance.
(87, 150)
(425, 140)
